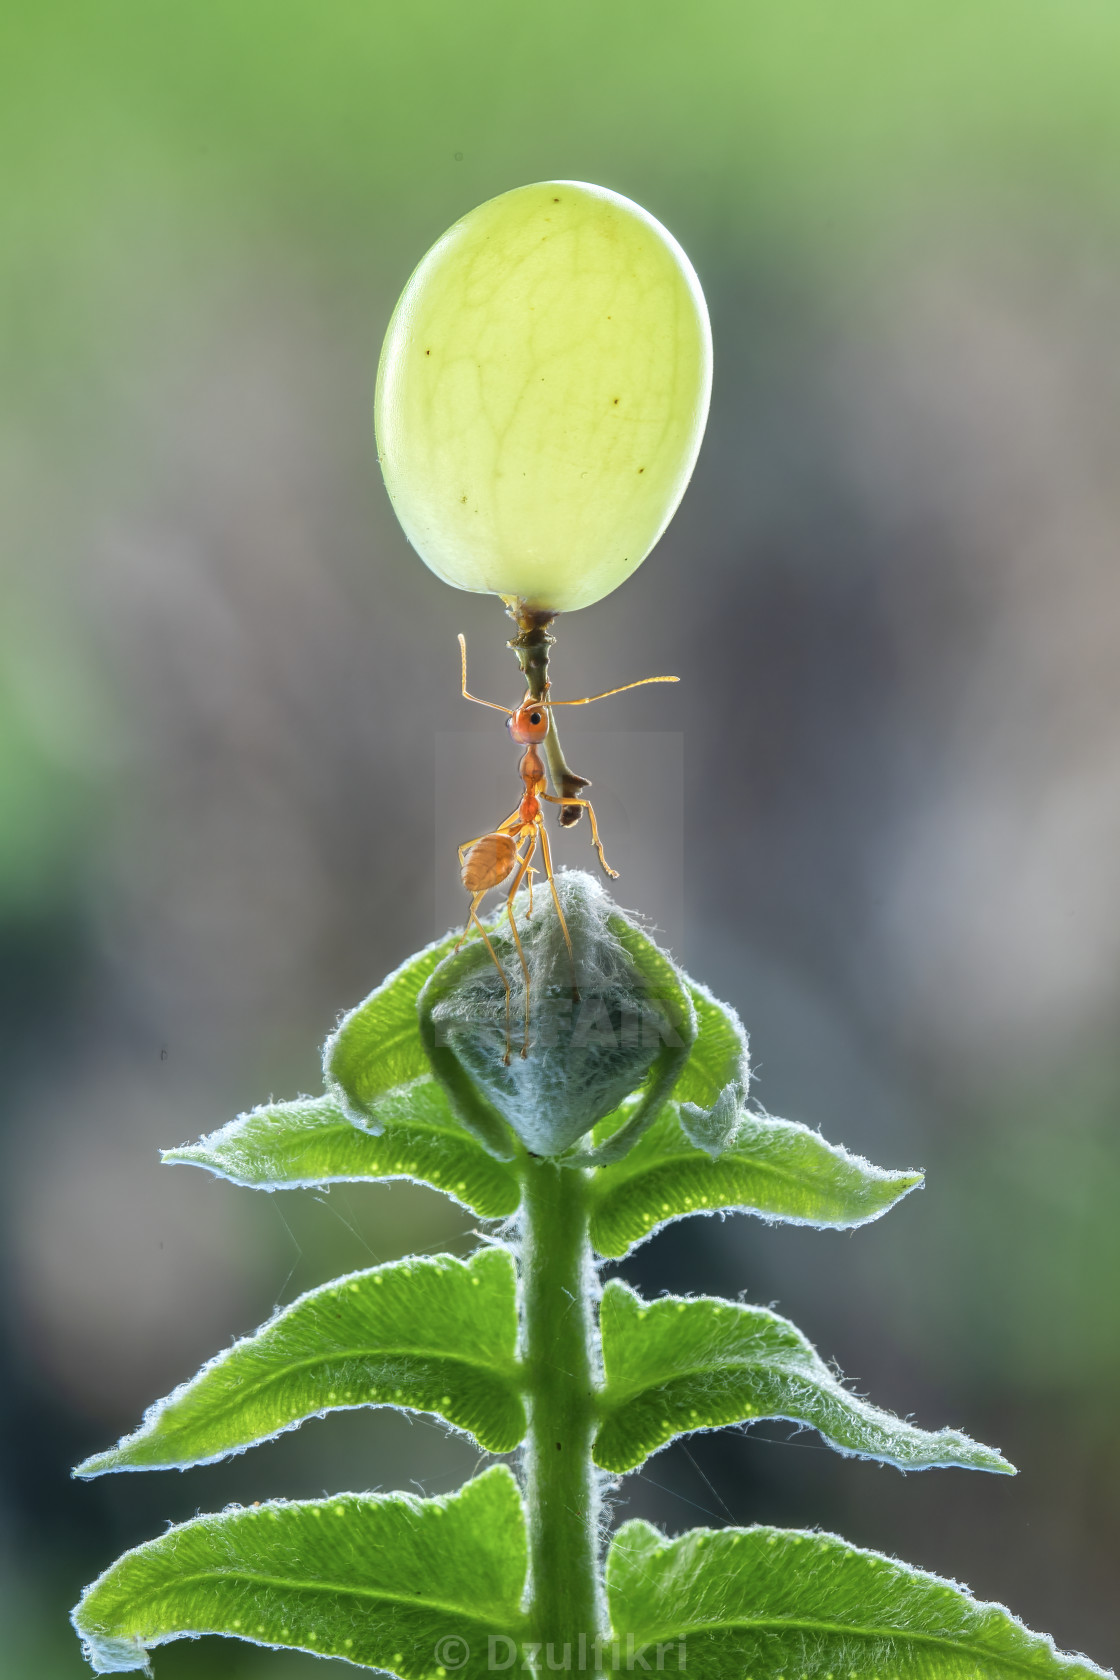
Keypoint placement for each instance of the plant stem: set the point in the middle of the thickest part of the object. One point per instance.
(561, 1490)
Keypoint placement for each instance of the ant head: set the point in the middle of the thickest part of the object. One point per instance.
(529, 723)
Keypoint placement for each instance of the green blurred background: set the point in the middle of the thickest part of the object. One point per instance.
(892, 593)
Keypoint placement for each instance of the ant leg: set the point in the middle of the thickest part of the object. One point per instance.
(466, 846)
(517, 937)
(547, 856)
(473, 917)
(492, 705)
(595, 840)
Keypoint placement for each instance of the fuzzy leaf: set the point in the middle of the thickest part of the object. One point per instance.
(712, 1129)
(430, 1335)
(765, 1601)
(674, 1366)
(720, 1056)
(585, 1054)
(377, 1580)
(775, 1168)
(283, 1146)
(377, 1045)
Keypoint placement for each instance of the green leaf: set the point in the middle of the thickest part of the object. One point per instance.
(759, 1602)
(430, 1335)
(377, 1045)
(283, 1146)
(585, 1053)
(775, 1168)
(381, 1581)
(674, 1366)
(720, 1056)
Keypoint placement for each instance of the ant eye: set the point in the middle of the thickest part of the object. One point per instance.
(534, 718)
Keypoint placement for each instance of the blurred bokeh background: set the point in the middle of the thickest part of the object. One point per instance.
(893, 594)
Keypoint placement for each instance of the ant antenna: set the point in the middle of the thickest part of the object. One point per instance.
(492, 705)
(590, 697)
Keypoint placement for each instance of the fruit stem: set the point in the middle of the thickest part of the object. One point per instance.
(532, 645)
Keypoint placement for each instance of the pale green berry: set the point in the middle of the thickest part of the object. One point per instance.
(542, 394)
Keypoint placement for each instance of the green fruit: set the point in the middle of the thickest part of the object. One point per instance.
(542, 394)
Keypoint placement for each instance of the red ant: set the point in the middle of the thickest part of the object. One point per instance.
(490, 859)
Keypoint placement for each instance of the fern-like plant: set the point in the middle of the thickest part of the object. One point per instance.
(542, 395)
(630, 1111)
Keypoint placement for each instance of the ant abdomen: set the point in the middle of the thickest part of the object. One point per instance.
(489, 861)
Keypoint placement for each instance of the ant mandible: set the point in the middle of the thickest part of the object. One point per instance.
(489, 859)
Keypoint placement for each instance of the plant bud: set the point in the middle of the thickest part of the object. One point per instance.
(612, 1017)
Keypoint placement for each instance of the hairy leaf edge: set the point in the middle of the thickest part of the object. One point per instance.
(103, 1463)
(96, 1645)
(360, 1116)
(606, 1411)
(633, 1531)
(200, 1154)
(906, 1181)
